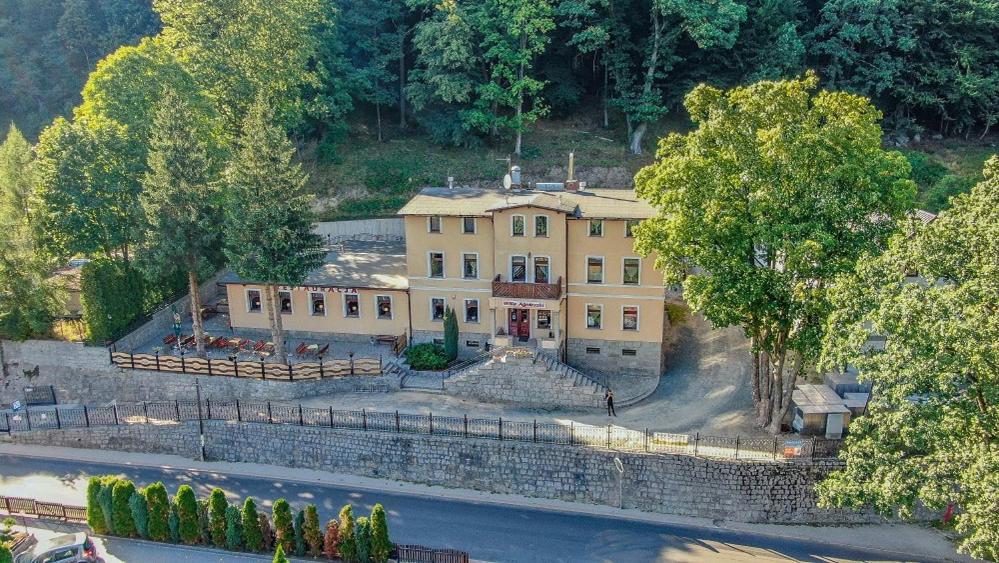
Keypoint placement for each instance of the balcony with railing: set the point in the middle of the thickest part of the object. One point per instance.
(524, 290)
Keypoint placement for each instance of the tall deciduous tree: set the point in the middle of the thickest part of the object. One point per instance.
(931, 431)
(88, 188)
(268, 228)
(240, 49)
(779, 189)
(182, 199)
(28, 300)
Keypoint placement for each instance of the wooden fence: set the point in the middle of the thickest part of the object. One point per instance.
(421, 554)
(39, 509)
(249, 369)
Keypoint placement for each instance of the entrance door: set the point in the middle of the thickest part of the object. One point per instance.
(520, 324)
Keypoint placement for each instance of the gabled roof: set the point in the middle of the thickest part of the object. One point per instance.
(543, 200)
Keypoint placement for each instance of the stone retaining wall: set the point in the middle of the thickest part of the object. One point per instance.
(521, 380)
(732, 490)
(83, 374)
(161, 321)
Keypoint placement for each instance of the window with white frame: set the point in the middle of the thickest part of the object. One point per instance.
(632, 271)
(253, 300)
(517, 227)
(518, 268)
(383, 304)
(629, 227)
(468, 225)
(542, 269)
(629, 317)
(470, 266)
(434, 224)
(594, 269)
(541, 225)
(437, 308)
(544, 319)
(471, 310)
(435, 268)
(596, 227)
(284, 298)
(594, 316)
(351, 305)
(318, 304)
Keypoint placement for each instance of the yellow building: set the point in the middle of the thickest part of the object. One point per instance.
(553, 268)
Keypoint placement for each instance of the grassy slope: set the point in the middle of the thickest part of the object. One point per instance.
(366, 178)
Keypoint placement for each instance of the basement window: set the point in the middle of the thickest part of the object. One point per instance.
(472, 343)
(629, 352)
(590, 350)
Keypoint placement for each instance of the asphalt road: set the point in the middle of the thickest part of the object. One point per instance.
(490, 532)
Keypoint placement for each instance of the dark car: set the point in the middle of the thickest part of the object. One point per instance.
(68, 548)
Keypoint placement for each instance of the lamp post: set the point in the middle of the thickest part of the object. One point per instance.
(176, 327)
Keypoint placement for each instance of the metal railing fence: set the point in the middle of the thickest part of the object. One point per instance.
(612, 437)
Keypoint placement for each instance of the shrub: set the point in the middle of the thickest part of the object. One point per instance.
(140, 513)
(217, 505)
(300, 545)
(347, 546)
(311, 531)
(95, 512)
(204, 525)
(112, 295)
(5, 554)
(106, 501)
(187, 515)
(266, 535)
(381, 547)
(331, 540)
(121, 513)
(363, 539)
(159, 512)
(279, 555)
(284, 528)
(173, 523)
(450, 334)
(426, 356)
(252, 537)
(233, 528)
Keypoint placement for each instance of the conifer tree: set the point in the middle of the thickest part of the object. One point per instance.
(217, 505)
(233, 529)
(331, 540)
(181, 198)
(188, 527)
(311, 531)
(159, 512)
(268, 229)
(284, 526)
(252, 535)
(362, 539)
(140, 513)
(95, 511)
(347, 545)
(450, 334)
(300, 544)
(121, 513)
(279, 555)
(381, 546)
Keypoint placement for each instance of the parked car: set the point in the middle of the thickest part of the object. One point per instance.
(68, 548)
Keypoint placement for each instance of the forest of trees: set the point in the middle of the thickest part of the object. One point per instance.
(472, 71)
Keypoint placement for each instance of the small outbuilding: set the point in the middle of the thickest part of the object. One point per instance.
(818, 410)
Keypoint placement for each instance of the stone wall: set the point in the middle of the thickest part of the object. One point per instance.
(772, 492)
(513, 378)
(82, 374)
(161, 321)
(648, 358)
(170, 439)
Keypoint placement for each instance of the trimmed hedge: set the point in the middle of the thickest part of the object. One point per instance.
(122, 521)
(112, 294)
(159, 512)
(426, 356)
(187, 515)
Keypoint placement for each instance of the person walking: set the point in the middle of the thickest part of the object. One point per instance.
(609, 397)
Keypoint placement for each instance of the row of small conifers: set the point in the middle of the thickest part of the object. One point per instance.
(115, 506)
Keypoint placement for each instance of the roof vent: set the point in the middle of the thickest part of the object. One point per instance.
(515, 178)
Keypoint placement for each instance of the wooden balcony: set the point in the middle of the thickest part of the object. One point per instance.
(523, 290)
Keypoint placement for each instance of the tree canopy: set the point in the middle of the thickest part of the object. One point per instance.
(931, 432)
(780, 188)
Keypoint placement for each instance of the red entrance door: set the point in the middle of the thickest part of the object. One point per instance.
(520, 323)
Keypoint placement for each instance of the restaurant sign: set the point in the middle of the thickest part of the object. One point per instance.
(319, 288)
(523, 304)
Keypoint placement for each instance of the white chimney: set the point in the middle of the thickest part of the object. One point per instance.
(571, 184)
(450, 182)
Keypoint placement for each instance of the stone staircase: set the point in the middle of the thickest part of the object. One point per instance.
(525, 377)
